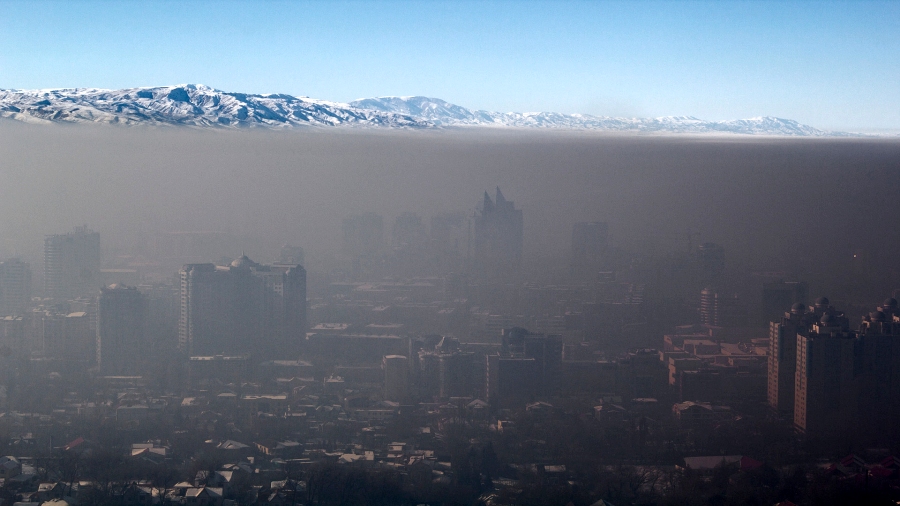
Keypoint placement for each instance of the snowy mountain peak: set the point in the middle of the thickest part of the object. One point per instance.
(446, 114)
(199, 105)
(189, 104)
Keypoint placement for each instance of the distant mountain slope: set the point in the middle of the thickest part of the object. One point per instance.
(444, 113)
(189, 104)
(201, 106)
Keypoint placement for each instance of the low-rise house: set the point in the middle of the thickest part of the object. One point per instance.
(204, 496)
(10, 467)
(693, 413)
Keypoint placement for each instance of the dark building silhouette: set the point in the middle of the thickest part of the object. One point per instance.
(121, 330)
(448, 242)
(396, 377)
(721, 310)
(498, 235)
(446, 371)
(879, 333)
(72, 264)
(408, 232)
(527, 366)
(242, 308)
(363, 234)
(363, 242)
(290, 254)
(409, 241)
(15, 287)
(711, 261)
(827, 385)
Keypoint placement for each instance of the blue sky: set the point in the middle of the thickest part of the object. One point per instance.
(829, 64)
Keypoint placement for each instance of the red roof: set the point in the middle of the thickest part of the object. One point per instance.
(73, 443)
(749, 464)
(881, 472)
(891, 462)
(853, 460)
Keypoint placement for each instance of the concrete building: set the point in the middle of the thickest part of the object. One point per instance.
(528, 366)
(363, 234)
(782, 365)
(396, 378)
(12, 335)
(879, 334)
(721, 310)
(449, 242)
(711, 261)
(55, 334)
(242, 308)
(121, 330)
(72, 264)
(827, 377)
(203, 370)
(445, 371)
(15, 287)
(353, 349)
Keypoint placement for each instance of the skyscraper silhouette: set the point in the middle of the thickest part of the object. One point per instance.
(498, 235)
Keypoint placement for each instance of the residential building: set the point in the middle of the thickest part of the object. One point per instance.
(242, 308)
(72, 264)
(827, 377)
(121, 330)
(782, 365)
(396, 378)
(15, 287)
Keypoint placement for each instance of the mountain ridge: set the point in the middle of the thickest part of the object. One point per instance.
(197, 105)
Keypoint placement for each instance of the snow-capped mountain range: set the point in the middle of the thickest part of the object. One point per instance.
(201, 106)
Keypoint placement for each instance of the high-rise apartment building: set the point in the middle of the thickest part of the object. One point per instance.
(121, 330)
(783, 355)
(833, 379)
(449, 242)
(528, 366)
(879, 335)
(711, 261)
(446, 371)
(72, 264)
(242, 308)
(363, 234)
(721, 310)
(396, 378)
(826, 386)
(363, 244)
(15, 287)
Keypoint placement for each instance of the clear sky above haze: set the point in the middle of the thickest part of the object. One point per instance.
(833, 65)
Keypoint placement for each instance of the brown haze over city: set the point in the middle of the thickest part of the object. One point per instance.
(802, 205)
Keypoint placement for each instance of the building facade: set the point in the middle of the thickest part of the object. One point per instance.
(72, 264)
(242, 308)
(121, 330)
(783, 356)
(15, 287)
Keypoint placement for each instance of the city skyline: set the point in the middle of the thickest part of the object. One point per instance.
(215, 296)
